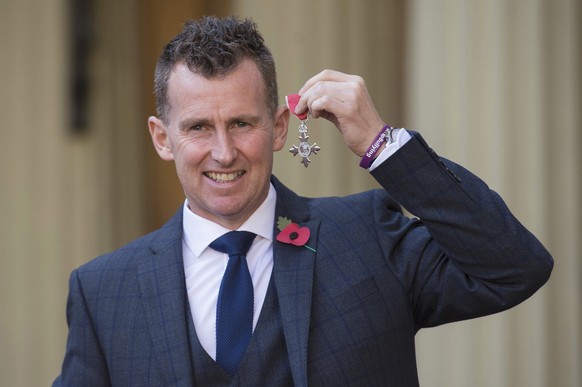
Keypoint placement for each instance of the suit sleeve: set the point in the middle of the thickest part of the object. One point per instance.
(84, 363)
(468, 256)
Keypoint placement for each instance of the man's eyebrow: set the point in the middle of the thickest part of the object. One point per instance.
(193, 121)
(189, 122)
(250, 118)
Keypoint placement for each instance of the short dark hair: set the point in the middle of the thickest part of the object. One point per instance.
(214, 47)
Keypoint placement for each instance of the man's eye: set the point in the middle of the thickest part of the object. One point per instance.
(196, 127)
(241, 124)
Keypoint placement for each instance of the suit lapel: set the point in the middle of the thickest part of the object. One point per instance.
(293, 274)
(163, 291)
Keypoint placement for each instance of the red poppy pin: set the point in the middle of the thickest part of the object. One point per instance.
(291, 233)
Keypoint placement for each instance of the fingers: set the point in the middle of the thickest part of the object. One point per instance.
(331, 92)
(324, 98)
(325, 75)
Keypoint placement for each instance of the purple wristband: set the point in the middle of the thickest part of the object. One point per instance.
(372, 151)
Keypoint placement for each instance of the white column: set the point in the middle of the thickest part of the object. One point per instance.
(495, 85)
(64, 198)
(32, 206)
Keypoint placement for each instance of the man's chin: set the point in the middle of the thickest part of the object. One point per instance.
(226, 213)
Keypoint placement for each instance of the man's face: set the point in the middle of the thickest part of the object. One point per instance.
(221, 135)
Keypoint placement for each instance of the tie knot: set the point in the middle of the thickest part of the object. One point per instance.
(234, 243)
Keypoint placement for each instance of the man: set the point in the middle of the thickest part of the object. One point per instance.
(340, 307)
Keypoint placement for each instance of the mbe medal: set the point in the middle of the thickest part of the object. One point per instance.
(304, 149)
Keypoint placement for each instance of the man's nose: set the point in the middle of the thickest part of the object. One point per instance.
(224, 149)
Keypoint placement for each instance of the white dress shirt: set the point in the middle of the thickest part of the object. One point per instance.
(204, 267)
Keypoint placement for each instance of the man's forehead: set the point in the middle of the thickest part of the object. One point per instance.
(246, 76)
(246, 64)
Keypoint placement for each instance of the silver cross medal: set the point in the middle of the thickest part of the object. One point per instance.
(304, 149)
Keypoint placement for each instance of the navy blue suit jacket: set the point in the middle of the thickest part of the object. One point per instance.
(350, 311)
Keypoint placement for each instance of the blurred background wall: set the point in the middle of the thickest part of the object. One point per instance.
(494, 85)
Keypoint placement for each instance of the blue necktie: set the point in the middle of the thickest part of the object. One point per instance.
(234, 310)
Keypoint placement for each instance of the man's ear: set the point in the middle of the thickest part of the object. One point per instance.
(159, 134)
(280, 128)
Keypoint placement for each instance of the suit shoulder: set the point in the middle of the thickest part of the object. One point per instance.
(118, 258)
(131, 253)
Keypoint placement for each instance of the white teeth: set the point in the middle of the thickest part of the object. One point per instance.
(223, 177)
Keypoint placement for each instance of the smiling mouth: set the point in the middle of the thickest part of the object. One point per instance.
(224, 177)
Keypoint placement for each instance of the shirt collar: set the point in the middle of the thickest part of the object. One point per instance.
(200, 232)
